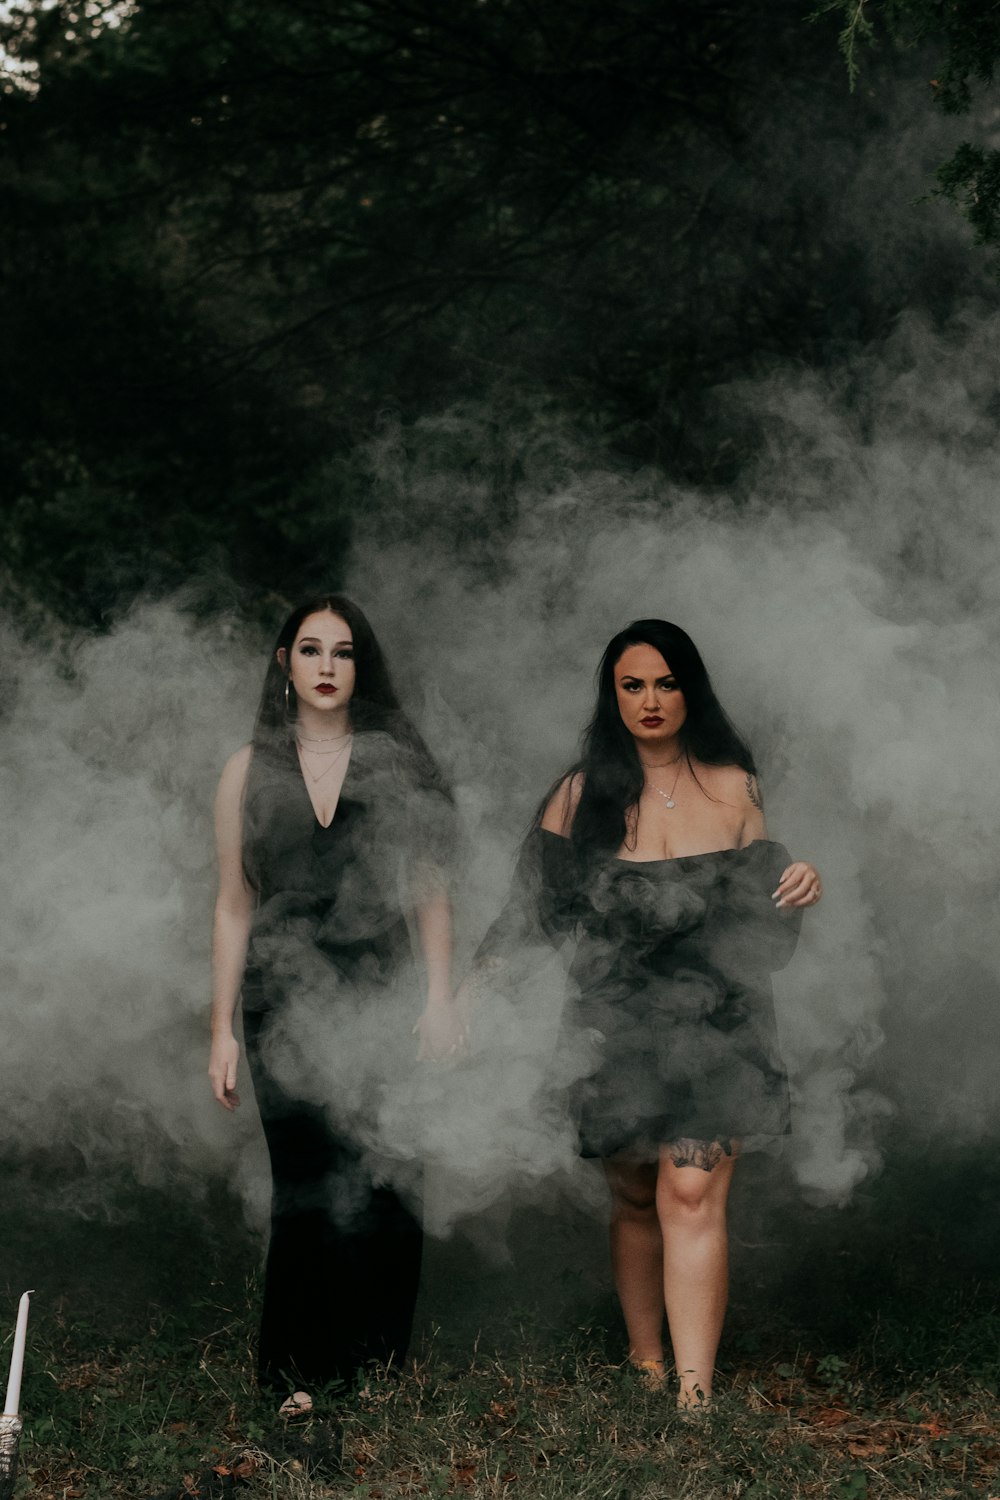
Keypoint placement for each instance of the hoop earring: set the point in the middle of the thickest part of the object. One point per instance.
(288, 706)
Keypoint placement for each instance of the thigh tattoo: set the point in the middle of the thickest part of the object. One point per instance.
(704, 1154)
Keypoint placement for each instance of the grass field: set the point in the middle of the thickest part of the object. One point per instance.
(861, 1356)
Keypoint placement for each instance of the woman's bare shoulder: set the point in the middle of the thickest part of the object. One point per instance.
(234, 773)
(560, 810)
(239, 762)
(732, 784)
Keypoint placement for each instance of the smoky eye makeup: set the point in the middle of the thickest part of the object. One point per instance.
(313, 648)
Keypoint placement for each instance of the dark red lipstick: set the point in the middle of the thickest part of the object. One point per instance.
(326, 687)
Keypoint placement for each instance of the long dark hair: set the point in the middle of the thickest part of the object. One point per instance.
(612, 771)
(374, 704)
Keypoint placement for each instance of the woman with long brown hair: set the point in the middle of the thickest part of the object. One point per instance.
(335, 832)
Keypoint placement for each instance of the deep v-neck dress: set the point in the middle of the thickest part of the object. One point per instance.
(670, 1004)
(329, 905)
(330, 947)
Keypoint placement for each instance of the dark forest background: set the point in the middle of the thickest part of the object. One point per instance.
(263, 268)
(240, 238)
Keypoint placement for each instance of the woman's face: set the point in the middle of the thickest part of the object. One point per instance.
(321, 661)
(650, 702)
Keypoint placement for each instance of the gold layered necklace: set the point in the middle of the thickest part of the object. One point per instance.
(333, 756)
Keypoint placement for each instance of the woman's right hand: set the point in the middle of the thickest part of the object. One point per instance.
(222, 1070)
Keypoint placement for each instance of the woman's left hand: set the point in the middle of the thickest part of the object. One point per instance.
(441, 1031)
(800, 885)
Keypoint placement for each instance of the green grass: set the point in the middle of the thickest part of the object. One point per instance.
(861, 1358)
(130, 1423)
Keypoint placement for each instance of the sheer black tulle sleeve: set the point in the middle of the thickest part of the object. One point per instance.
(747, 930)
(540, 912)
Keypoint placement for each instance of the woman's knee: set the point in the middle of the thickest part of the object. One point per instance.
(633, 1192)
(694, 1178)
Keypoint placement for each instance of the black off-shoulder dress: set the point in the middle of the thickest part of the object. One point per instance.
(670, 988)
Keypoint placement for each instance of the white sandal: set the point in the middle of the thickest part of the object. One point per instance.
(298, 1404)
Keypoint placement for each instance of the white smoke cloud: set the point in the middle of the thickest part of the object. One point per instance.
(846, 604)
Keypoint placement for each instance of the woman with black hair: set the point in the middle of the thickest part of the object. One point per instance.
(653, 855)
(335, 832)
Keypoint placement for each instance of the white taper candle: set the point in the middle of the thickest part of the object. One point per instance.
(13, 1395)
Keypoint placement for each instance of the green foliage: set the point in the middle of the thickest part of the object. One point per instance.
(238, 236)
(963, 39)
(971, 178)
(858, 30)
(964, 35)
(833, 1372)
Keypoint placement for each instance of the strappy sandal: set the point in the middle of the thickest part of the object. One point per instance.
(298, 1404)
(652, 1373)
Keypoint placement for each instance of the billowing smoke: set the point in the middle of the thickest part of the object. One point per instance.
(845, 602)
(111, 747)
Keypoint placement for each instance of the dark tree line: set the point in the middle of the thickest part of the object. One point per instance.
(237, 234)
(961, 40)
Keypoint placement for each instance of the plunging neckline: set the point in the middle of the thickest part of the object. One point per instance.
(325, 827)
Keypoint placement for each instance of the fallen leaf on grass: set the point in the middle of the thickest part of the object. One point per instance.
(831, 1416)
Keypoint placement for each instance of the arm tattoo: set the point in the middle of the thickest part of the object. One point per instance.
(753, 792)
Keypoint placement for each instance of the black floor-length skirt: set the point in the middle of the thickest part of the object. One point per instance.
(343, 1263)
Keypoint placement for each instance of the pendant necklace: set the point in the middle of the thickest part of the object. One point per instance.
(335, 754)
(668, 797)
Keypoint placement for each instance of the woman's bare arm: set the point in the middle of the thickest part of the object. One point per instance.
(434, 929)
(440, 1027)
(231, 930)
(754, 825)
(800, 884)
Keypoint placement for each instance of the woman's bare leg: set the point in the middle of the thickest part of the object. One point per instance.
(637, 1255)
(691, 1193)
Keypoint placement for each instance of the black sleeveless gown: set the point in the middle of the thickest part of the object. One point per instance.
(343, 1261)
(670, 1008)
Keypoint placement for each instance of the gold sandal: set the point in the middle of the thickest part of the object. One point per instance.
(651, 1372)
